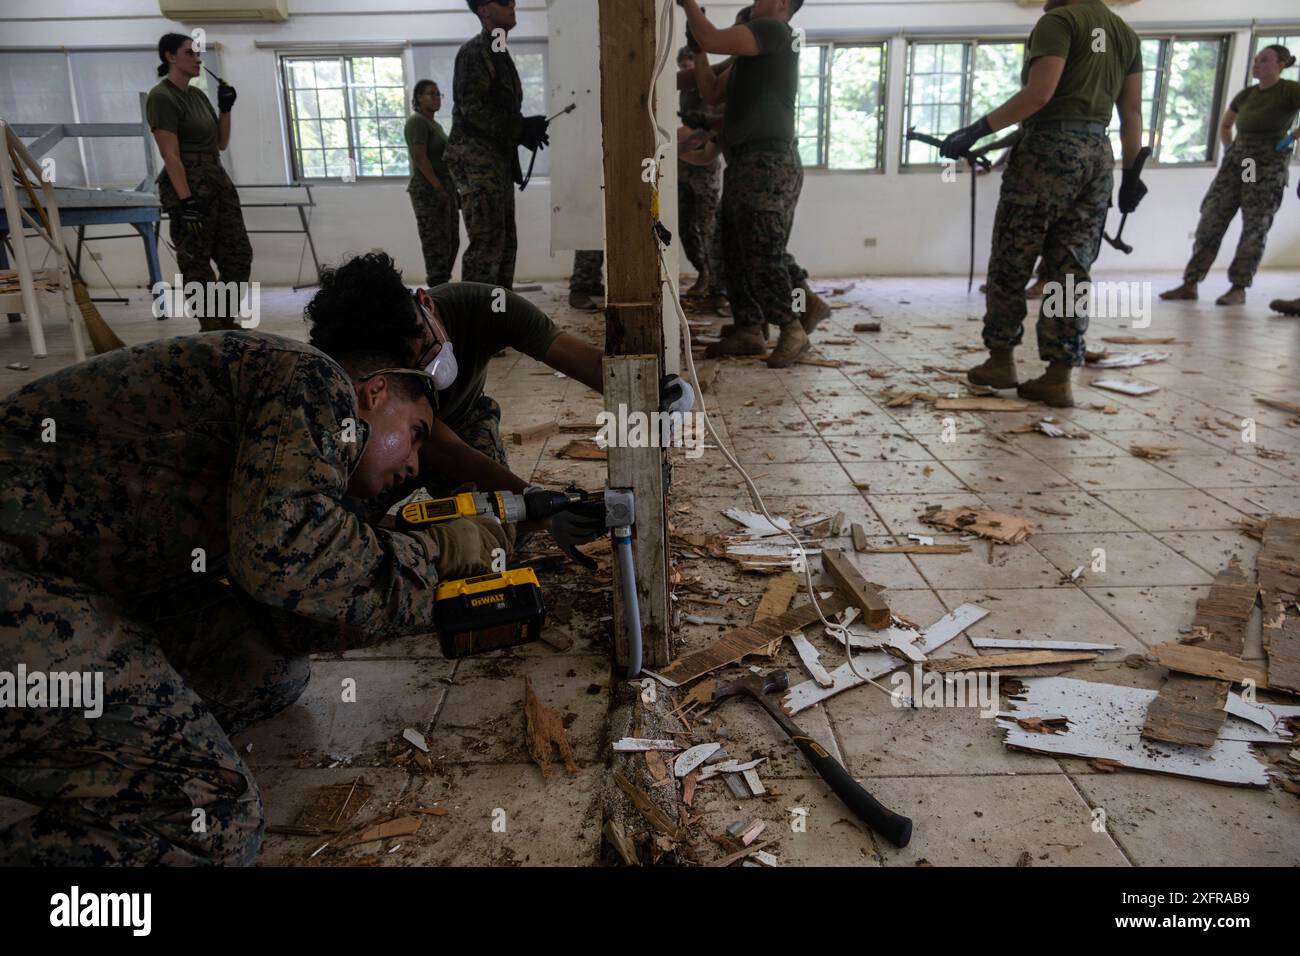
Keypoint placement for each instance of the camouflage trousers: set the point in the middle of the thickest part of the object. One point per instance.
(1254, 181)
(1055, 193)
(223, 239)
(437, 219)
(487, 199)
(154, 778)
(697, 216)
(588, 266)
(759, 193)
(481, 430)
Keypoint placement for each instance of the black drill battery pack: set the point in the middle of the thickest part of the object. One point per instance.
(487, 612)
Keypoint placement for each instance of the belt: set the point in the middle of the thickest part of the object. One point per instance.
(1071, 126)
(199, 157)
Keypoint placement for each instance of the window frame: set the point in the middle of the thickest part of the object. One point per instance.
(1161, 95)
(830, 45)
(342, 54)
(971, 43)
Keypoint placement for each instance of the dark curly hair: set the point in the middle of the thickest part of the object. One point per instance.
(363, 317)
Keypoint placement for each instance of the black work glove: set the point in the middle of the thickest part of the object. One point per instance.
(533, 134)
(580, 524)
(1131, 190)
(692, 44)
(225, 97)
(675, 395)
(190, 216)
(959, 143)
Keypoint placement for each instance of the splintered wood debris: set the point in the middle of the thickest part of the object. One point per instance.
(984, 522)
(1125, 387)
(1042, 645)
(1152, 452)
(979, 404)
(735, 644)
(1014, 659)
(876, 664)
(1137, 340)
(690, 759)
(1203, 662)
(1128, 359)
(1278, 568)
(583, 449)
(544, 728)
(1189, 710)
(629, 745)
(840, 568)
(1104, 722)
(810, 659)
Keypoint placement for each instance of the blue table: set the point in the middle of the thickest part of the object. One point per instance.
(93, 207)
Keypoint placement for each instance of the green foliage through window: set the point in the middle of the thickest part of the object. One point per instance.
(839, 113)
(346, 115)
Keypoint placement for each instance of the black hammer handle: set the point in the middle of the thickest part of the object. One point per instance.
(893, 827)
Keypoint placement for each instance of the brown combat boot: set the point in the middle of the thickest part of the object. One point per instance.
(1185, 292)
(1286, 306)
(700, 288)
(998, 371)
(1052, 388)
(1234, 296)
(792, 344)
(744, 341)
(815, 309)
(732, 326)
(584, 301)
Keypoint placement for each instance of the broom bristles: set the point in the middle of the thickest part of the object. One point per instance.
(102, 336)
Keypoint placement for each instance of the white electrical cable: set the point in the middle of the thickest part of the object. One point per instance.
(671, 282)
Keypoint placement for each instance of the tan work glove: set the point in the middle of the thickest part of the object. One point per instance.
(464, 546)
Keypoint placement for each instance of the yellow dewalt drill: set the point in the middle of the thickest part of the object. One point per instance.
(501, 608)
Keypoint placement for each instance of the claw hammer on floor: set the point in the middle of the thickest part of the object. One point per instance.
(896, 829)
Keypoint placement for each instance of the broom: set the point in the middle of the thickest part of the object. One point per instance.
(102, 336)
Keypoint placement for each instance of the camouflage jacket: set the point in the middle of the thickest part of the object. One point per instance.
(487, 97)
(239, 443)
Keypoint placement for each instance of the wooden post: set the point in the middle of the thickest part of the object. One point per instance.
(634, 341)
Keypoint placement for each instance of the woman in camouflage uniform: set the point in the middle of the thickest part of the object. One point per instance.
(1252, 178)
(197, 195)
(432, 190)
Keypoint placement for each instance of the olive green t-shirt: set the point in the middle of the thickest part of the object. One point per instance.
(1099, 49)
(477, 333)
(422, 130)
(761, 91)
(1265, 116)
(187, 113)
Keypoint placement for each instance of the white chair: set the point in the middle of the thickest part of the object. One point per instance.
(19, 220)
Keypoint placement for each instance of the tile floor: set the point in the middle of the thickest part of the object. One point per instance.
(820, 440)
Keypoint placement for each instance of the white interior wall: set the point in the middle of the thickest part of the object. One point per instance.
(920, 224)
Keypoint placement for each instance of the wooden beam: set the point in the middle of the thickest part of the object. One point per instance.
(634, 339)
(632, 384)
(875, 612)
(634, 319)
